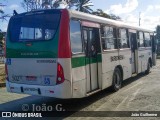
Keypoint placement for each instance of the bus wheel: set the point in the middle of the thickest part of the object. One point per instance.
(148, 68)
(117, 80)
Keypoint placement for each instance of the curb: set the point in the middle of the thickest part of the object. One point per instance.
(2, 85)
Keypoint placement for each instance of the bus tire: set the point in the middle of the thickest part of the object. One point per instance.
(148, 68)
(116, 80)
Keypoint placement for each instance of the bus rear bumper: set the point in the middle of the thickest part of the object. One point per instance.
(58, 91)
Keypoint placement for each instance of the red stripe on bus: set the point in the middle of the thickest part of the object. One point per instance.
(64, 49)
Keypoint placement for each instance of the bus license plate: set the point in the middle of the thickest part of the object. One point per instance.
(30, 90)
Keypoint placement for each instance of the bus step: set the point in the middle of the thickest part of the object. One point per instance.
(93, 92)
(135, 74)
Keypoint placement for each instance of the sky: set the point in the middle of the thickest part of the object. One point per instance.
(128, 10)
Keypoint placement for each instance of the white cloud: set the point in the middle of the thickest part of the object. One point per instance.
(157, 7)
(130, 6)
(148, 22)
(153, 8)
(14, 6)
(150, 8)
(131, 19)
(4, 26)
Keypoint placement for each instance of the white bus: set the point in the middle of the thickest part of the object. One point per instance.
(70, 54)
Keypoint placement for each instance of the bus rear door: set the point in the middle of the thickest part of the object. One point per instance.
(133, 40)
(91, 46)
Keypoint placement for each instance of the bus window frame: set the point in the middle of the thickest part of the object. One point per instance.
(119, 38)
(116, 41)
(77, 53)
(29, 40)
(149, 40)
(138, 39)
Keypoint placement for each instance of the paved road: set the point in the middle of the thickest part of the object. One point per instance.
(141, 93)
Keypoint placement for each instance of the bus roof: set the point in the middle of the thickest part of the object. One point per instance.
(97, 19)
(93, 18)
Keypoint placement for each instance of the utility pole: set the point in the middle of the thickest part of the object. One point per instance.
(139, 18)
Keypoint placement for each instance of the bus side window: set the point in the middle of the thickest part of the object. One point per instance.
(147, 40)
(109, 38)
(124, 41)
(140, 39)
(75, 37)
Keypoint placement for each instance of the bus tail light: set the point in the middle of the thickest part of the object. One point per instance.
(60, 74)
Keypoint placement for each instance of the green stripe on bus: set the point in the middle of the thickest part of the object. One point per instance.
(82, 61)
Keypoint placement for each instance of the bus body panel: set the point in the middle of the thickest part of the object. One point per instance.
(79, 82)
(46, 89)
(33, 66)
(126, 62)
(57, 91)
(109, 63)
(143, 57)
(32, 71)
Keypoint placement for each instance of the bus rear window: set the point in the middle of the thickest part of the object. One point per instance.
(34, 27)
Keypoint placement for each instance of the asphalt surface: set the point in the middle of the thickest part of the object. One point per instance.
(140, 93)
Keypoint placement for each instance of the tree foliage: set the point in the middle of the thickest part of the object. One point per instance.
(1, 11)
(84, 6)
(79, 5)
(99, 12)
(1, 40)
(1, 36)
(3, 16)
(114, 17)
(29, 5)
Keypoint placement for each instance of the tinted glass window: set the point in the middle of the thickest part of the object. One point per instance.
(124, 41)
(147, 40)
(75, 36)
(109, 38)
(34, 27)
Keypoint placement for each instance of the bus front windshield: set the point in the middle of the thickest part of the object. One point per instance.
(34, 27)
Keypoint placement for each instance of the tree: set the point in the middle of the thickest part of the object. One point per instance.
(1, 6)
(1, 11)
(99, 12)
(114, 17)
(29, 5)
(81, 5)
(84, 6)
(2, 34)
(3, 16)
